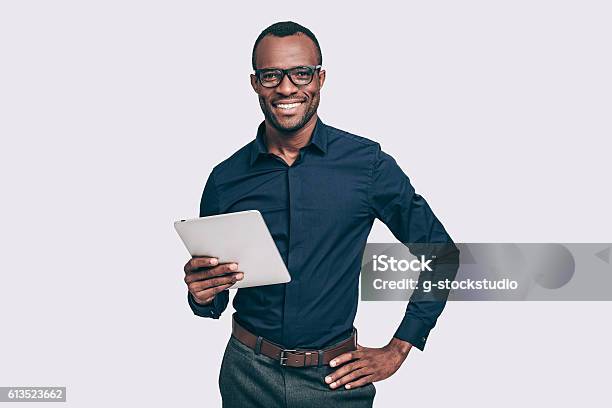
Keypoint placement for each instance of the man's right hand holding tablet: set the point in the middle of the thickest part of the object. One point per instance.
(205, 278)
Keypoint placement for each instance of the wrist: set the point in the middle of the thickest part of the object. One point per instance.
(197, 303)
(400, 346)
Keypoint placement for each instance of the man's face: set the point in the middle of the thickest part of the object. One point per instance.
(288, 52)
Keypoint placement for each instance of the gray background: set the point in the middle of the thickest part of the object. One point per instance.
(112, 114)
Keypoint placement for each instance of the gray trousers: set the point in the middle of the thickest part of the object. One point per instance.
(253, 380)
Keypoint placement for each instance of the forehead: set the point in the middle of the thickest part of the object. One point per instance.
(286, 52)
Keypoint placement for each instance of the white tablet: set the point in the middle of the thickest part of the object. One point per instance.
(241, 237)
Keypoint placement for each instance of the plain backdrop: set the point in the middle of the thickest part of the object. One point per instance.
(113, 113)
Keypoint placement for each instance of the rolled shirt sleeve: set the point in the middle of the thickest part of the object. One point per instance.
(393, 200)
(209, 205)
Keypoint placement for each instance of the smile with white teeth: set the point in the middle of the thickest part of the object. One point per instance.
(288, 105)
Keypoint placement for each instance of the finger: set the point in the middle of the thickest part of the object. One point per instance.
(342, 371)
(208, 295)
(200, 262)
(343, 358)
(352, 376)
(201, 285)
(366, 379)
(209, 273)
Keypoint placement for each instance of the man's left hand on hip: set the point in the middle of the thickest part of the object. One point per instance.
(366, 365)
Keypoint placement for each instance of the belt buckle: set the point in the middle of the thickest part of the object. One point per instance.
(283, 358)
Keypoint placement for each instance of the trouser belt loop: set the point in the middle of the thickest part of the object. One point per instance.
(258, 345)
(320, 358)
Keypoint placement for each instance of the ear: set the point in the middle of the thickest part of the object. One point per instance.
(254, 83)
(321, 78)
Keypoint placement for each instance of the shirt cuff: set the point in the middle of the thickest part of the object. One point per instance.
(209, 310)
(414, 331)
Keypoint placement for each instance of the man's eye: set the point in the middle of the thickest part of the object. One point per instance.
(304, 73)
(269, 76)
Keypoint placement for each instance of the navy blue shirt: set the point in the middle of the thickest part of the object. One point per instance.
(319, 211)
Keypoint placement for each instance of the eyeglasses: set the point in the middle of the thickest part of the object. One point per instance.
(299, 76)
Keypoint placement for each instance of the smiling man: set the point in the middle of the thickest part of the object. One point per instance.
(319, 190)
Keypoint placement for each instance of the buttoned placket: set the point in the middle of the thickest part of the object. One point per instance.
(292, 292)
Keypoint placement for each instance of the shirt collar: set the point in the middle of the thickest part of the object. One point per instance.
(318, 139)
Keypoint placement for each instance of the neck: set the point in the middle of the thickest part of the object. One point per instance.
(288, 144)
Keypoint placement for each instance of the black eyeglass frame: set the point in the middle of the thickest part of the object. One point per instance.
(286, 72)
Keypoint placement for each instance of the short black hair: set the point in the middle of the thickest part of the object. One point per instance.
(285, 29)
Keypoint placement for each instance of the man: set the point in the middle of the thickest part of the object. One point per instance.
(319, 190)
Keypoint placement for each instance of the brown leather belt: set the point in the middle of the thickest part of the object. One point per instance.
(292, 358)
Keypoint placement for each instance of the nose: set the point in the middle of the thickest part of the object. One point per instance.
(286, 87)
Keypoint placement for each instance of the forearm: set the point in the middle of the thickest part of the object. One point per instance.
(426, 306)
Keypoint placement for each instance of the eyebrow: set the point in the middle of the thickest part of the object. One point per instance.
(284, 69)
